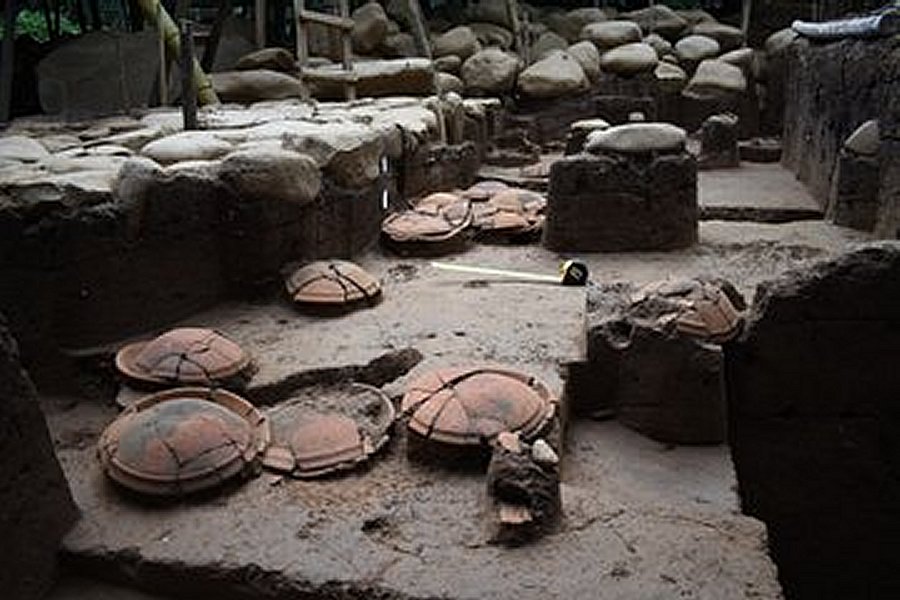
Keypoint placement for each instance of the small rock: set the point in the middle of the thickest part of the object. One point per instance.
(865, 140)
(610, 34)
(22, 148)
(490, 71)
(460, 41)
(543, 454)
(557, 75)
(629, 59)
(742, 57)
(546, 43)
(448, 82)
(448, 64)
(660, 19)
(671, 78)
(188, 145)
(780, 40)
(509, 441)
(695, 48)
(490, 34)
(256, 85)
(273, 59)
(398, 45)
(370, 27)
(714, 78)
(659, 43)
(588, 57)
(728, 37)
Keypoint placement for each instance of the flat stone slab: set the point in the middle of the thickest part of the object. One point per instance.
(755, 192)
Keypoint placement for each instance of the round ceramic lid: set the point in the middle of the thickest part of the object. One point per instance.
(187, 355)
(472, 405)
(428, 221)
(513, 210)
(335, 282)
(182, 440)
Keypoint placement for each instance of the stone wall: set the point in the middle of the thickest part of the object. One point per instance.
(831, 89)
(814, 424)
(37, 508)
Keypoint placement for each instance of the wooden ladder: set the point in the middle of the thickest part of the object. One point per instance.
(341, 22)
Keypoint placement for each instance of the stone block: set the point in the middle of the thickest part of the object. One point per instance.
(615, 203)
(719, 142)
(853, 201)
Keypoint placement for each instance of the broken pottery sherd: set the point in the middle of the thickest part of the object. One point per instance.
(182, 441)
(327, 429)
(435, 225)
(185, 356)
(512, 214)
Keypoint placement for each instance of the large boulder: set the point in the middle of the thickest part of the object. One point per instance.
(716, 78)
(272, 59)
(489, 72)
(629, 59)
(610, 34)
(460, 41)
(728, 37)
(659, 19)
(188, 145)
(256, 85)
(552, 77)
(95, 73)
(370, 27)
(695, 48)
(588, 57)
(37, 505)
(271, 175)
(547, 43)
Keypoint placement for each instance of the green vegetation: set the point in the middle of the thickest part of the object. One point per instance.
(32, 23)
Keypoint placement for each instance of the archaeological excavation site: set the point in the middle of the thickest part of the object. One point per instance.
(450, 299)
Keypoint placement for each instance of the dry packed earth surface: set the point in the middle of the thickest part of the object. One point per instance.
(640, 519)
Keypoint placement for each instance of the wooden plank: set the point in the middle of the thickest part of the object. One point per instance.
(259, 14)
(302, 35)
(347, 50)
(332, 76)
(338, 22)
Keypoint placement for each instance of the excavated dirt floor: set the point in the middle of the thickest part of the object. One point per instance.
(641, 519)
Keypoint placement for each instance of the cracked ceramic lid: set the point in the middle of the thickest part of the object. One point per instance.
(182, 441)
(331, 282)
(513, 211)
(325, 429)
(188, 355)
(435, 218)
(469, 406)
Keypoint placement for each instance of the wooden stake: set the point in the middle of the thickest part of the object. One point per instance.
(188, 91)
(163, 65)
(10, 12)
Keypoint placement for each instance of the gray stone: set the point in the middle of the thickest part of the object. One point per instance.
(570, 24)
(742, 57)
(188, 145)
(853, 198)
(610, 34)
(376, 78)
(579, 131)
(729, 38)
(588, 57)
(490, 11)
(543, 454)
(460, 41)
(557, 75)
(547, 43)
(490, 34)
(22, 148)
(450, 83)
(695, 48)
(490, 71)
(779, 41)
(629, 59)
(349, 153)
(715, 78)
(660, 19)
(659, 43)
(611, 203)
(95, 73)
(273, 175)
(256, 85)
(272, 59)
(638, 138)
(671, 78)
(398, 45)
(865, 140)
(448, 64)
(37, 506)
(370, 27)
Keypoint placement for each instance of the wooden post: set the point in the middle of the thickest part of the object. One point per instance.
(746, 8)
(188, 91)
(259, 13)
(163, 64)
(347, 51)
(215, 34)
(302, 35)
(10, 12)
